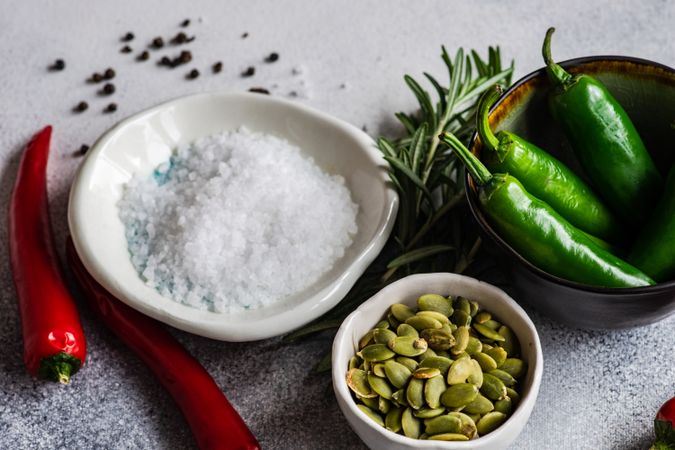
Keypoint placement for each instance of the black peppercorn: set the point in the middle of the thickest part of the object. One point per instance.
(217, 67)
(126, 49)
(59, 64)
(259, 90)
(244, 35)
(108, 89)
(82, 151)
(185, 23)
(184, 58)
(272, 57)
(165, 61)
(109, 73)
(112, 107)
(80, 107)
(194, 73)
(157, 42)
(128, 37)
(180, 38)
(95, 78)
(143, 56)
(249, 72)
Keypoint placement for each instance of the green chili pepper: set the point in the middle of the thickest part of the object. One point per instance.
(605, 141)
(544, 176)
(654, 250)
(538, 233)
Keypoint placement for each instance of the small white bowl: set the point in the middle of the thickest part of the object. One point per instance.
(406, 291)
(140, 143)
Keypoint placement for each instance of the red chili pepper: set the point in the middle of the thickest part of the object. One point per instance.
(214, 422)
(53, 340)
(664, 427)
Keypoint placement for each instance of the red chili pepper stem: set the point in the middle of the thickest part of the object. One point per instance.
(554, 70)
(59, 367)
(487, 137)
(664, 427)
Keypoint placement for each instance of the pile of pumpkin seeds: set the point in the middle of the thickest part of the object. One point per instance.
(448, 371)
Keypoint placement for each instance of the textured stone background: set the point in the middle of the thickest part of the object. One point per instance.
(600, 389)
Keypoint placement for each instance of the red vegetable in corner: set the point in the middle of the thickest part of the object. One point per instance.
(664, 427)
(213, 421)
(54, 343)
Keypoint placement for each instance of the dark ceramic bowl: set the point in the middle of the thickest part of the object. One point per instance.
(646, 90)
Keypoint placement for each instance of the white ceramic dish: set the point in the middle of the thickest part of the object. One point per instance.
(406, 291)
(140, 143)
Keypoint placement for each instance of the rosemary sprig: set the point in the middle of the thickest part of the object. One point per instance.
(433, 230)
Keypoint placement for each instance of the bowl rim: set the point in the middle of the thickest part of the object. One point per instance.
(220, 325)
(480, 218)
(527, 401)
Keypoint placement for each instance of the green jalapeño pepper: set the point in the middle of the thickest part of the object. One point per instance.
(605, 141)
(544, 176)
(654, 249)
(540, 234)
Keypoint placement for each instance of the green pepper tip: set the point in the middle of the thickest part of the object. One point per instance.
(555, 71)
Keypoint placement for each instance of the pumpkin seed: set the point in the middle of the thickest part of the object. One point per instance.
(438, 339)
(493, 387)
(474, 417)
(382, 324)
(406, 330)
(411, 425)
(476, 376)
(473, 308)
(461, 340)
(423, 322)
(384, 405)
(504, 406)
(482, 317)
(487, 363)
(392, 421)
(408, 346)
(428, 353)
(383, 335)
(468, 424)
(424, 373)
(372, 403)
(393, 321)
(428, 413)
(443, 424)
(365, 340)
(513, 395)
(459, 371)
(448, 437)
(372, 414)
(514, 367)
(479, 405)
(459, 395)
(506, 377)
(498, 354)
(433, 389)
(376, 352)
(462, 304)
(354, 362)
(415, 393)
(473, 346)
(435, 302)
(399, 397)
(380, 386)
(510, 343)
(442, 353)
(461, 318)
(443, 319)
(439, 362)
(489, 422)
(492, 324)
(378, 369)
(410, 363)
(357, 381)
(401, 312)
(488, 332)
(397, 373)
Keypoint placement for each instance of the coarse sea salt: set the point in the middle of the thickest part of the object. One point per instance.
(237, 220)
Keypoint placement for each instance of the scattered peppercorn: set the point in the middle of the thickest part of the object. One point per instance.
(143, 56)
(112, 107)
(82, 151)
(59, 64)
(259, 90)
(194, 73)
(157, 42)
(185, 23)
(272, 57)
(165, 61)
(109, 73)
(179, 38)
(80, 107)
(95, 78)
(108, 89)
(128, 37)
(217, 67)
(249, 72)
(184, 58)
(126, 49)
(244, 35)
